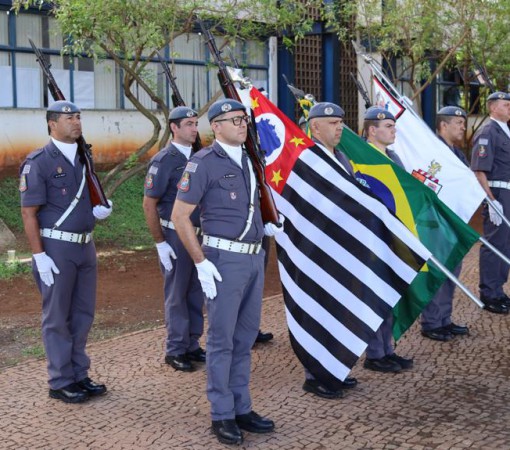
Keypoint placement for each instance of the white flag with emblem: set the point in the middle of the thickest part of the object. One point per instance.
(429, 160)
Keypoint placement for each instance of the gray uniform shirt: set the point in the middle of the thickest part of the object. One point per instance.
(222, 190)
(491, 152)
(164, 172)
(49, 180)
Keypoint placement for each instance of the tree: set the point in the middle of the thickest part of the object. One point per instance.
(427, 36)
(130, 31)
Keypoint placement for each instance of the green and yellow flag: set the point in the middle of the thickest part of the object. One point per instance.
(444, 234)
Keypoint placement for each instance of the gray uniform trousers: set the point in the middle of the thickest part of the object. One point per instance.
(234, 320)
(438, 313)
(68, 310)
(184, 300)
(381, 343)
(493, 270)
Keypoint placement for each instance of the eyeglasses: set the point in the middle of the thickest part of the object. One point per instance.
(236, 120)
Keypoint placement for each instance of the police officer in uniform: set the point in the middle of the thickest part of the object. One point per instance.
(490, 161)
(220, 179)
(436, 318)
(379, 130)
(326, 124)
(59, 218)
(184, 318)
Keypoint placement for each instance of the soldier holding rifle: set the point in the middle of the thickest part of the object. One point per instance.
(59, 216)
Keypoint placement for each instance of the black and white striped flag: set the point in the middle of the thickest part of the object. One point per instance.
(344, 259)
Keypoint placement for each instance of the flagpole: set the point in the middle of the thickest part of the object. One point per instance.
(452, 277)
(494, 249)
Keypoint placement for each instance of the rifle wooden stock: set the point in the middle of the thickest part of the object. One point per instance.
(97, 195)
(177, 99)
(267, 205)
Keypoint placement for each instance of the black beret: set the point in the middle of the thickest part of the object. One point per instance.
(224, 106)
(325, 109)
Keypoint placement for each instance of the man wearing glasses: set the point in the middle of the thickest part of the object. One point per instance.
(220, 180)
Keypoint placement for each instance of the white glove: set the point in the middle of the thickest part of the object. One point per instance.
(46, 267)
(165, 251)
(270, 229)
(207, 272)
(494, 217)
(102, 212)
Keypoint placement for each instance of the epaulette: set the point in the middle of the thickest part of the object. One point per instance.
(203, 153)
(158, 157)
(36, 153)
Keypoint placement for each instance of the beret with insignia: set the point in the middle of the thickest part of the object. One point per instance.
(498, 96)
(182, 112)
(224, 106)
(63, 107)
(325, 109)
(376, 113)
(452, 111)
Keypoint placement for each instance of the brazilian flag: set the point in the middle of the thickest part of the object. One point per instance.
(442, 232)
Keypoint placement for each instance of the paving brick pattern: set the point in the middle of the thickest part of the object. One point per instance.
(456, 397)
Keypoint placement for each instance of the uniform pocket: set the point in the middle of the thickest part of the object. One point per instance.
(230, 191)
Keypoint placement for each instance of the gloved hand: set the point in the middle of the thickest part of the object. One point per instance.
(165, 251)
(494, 217)
(270, 229)
(207, 273)
(46, 267)
(102, 212)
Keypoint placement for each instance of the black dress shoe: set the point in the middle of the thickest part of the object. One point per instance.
(263, 337)
(317, 388)
(254, 423)
(494, 305)
(227, 431)
(93, 389)
(382, 365)
(71, 393)
(457, 330)
(179, 362)
(349, 383)
(405, 363)
(505, 299)
(197, 355)
(438, 334)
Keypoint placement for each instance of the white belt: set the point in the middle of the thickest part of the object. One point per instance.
(499, 184)
(169, 224)
(78, 238)
(232, 246)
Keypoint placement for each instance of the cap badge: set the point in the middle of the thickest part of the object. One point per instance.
(66, 109)
(501, 95)
(190, 114)
(328, 111)
(458, 112)
(381, 116)
(226, 107)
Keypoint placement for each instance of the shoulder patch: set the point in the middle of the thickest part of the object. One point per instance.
(153, 170)
(184, 182)
(149, 182)
(23, 183)
(482, 151)
(483, 141)
(26, 169)
(191, 167)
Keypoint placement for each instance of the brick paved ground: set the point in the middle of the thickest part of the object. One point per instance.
(457, 396)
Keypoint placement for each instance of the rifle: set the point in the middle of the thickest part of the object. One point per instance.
(361, 90)
(97, 195)
(177, 99)
(256, 155)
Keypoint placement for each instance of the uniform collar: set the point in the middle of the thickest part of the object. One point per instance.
(503, 126)
(68, 150)
(235, 153)
(186, 151)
